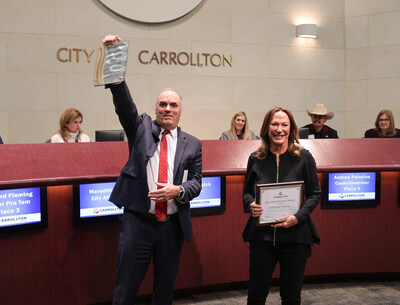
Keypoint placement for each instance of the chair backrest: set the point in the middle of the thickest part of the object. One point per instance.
(303, 133)
(109, 135)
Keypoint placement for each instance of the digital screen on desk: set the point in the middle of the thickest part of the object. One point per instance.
(351, 189)
(211, 199)
(91, 203)
(23, 208)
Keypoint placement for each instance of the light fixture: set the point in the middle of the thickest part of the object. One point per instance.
(308, 30)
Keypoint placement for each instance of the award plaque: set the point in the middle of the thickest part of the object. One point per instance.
(278, 200)
(111, 63)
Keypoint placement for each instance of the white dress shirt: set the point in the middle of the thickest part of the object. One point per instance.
(152, 169)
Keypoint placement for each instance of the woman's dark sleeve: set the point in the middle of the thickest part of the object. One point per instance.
(249, 186)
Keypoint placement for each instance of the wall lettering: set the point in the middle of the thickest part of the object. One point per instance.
(146, 57)
(72, 55)
(184, 58)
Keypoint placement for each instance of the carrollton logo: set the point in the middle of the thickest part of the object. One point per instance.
(151, 11)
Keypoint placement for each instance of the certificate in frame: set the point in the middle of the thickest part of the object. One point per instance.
(278, 200)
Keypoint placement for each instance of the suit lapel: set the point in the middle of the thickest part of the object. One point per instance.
(180, 148)
(155, 129)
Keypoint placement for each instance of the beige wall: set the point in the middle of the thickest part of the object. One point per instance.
(372, 64)
(353, 67)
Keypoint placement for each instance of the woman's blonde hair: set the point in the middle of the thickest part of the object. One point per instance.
(293, 147)
(391, 131)
(66, 117)
(246, 134)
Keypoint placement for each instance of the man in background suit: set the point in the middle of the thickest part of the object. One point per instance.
(146, 232)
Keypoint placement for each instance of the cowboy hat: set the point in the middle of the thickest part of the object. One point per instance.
(320, 109)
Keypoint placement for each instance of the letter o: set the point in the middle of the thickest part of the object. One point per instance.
(179, 58)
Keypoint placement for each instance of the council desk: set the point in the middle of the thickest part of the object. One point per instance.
(68, 263)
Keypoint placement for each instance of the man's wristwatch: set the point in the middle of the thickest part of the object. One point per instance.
(181, 193)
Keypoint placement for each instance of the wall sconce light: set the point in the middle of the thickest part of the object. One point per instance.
(307, 30)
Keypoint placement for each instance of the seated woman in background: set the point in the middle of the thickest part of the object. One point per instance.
(239, 129)
(70, 128)
(384, 126)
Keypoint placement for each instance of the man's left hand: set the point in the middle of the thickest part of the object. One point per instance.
(165, 192)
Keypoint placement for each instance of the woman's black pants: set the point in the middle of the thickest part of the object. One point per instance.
(292, 258)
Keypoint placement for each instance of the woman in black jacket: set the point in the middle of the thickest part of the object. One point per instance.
(288, 241)
(384, 126)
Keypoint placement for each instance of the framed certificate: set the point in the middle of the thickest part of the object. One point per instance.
(278, 200)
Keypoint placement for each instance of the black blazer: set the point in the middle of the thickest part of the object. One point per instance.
(371, 133)
(290, 169)
(131, 189)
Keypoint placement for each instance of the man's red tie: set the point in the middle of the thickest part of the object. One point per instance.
(161, 207)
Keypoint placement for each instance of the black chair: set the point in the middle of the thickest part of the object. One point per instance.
(109, 135)
(303, 133)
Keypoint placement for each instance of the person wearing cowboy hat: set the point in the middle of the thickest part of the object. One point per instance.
(318, 129)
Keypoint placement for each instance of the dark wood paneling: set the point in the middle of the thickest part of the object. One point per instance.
(69, 264)
(55, 164)
(63, 264)
(45, 164)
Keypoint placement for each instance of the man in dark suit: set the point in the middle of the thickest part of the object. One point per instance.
(146, 233)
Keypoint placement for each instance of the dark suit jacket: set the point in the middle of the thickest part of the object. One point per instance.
(290, 169)
(325, 133)
(131, 189)
(371, 133)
